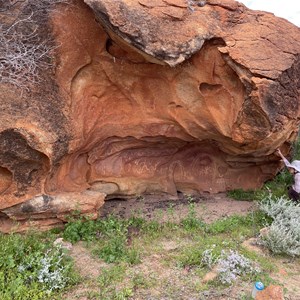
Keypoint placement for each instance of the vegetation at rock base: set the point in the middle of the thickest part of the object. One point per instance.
(143, 257)
(139, 257)
(276, 187)
(32, 268)
(283, 235)
(200, 247)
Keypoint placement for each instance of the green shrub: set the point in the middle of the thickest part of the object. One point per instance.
(191, 221)
(209, 257)
(240, 194)
(113, 249)
(31, 268)
(110, 236)
(283, 234)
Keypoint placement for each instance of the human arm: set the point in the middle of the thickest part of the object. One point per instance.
(286, 162)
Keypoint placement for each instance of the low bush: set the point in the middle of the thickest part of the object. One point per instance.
(283, 235)
(229, 264)
(31, 268)
(209, 258)
(233, 265)
(110, 236)
(191, 221)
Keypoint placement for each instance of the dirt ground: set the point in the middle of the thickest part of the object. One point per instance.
(208, 207)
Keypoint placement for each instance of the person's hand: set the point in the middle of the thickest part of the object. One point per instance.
(277, 152)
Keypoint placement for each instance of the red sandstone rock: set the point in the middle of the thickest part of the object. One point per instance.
(272, 292)
(155, 97)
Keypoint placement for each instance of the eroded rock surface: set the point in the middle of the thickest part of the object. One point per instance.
(152, 97)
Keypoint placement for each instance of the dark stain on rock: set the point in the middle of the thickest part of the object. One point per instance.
(16, 155)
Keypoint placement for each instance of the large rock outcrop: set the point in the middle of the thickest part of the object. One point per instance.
(149, 97)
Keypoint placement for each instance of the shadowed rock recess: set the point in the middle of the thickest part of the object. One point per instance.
(148, 96)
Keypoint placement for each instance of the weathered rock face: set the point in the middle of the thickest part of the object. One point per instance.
(153, 97)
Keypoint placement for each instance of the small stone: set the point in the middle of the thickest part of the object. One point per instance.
(251, 245)
(282, 272)
(63, 244)
(210, 276)
(264, 231)
(201, 3)
(272, 292)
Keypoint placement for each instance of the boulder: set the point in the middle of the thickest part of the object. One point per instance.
(272, 292)
(148, 97)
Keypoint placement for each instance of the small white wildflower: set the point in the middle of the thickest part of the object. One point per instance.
(21, 268)
(208, 258)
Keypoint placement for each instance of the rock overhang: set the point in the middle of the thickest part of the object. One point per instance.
(157, 97)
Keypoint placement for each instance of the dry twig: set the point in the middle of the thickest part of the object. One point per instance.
(26, 43)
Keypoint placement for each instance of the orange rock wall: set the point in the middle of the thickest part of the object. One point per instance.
(208, 124)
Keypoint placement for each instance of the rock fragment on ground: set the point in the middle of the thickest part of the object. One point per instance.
(272, 292)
